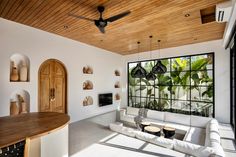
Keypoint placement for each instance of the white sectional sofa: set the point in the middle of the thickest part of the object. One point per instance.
(201, 133)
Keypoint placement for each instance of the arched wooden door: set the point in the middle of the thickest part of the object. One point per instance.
(52, 87)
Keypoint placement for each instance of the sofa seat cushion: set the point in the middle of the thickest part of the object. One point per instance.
(181, 129)
(128, 118)
(195, 136)
(156, 115)
(177, 118)
(200, 122)
(132, 111)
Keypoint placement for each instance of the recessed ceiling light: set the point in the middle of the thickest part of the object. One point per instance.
(187, 15)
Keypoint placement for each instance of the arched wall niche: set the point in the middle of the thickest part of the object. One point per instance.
(19, 68)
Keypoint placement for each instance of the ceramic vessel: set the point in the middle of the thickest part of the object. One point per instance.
(23, 72)
(14, 74)
(14, 109)
(23, 108)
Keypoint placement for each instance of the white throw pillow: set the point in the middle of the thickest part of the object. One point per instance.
(156, 115)
(132, 111)
(193, 149)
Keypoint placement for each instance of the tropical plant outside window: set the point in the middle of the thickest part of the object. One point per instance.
(187, 87)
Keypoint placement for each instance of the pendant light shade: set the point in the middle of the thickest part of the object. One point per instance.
(138, 71)
(159, 68)
(151, 76)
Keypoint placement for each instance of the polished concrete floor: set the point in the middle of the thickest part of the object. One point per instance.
(87, 134)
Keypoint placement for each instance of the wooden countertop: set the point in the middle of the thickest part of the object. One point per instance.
(30, 125)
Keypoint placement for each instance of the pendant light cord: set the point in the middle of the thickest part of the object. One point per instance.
(150, 44)
(159, 45)
(138, 50)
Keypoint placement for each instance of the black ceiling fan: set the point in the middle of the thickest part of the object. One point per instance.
(102, 23)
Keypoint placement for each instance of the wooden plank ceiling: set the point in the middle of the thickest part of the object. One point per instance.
(164, 19)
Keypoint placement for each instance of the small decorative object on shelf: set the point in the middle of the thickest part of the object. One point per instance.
(14, 74)
(22, 104)
(14, 109)
(87, 70)
(117, 85)
(88, 100)
(23, 72)
(117, 96)
(117, 72)
(87, 85)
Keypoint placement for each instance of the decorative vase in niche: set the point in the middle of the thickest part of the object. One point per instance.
(23, 72)
(23, 108)
(14, 74)
(14, 109)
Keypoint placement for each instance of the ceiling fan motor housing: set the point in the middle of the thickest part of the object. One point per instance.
(100, 23)
(101, 9)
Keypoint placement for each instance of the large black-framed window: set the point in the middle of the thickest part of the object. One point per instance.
(187, 87)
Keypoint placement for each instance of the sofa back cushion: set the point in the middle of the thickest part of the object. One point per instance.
(193, 149)
(177, 118)
(200, 122)
(132, 111)
(164, 142)
(217, 148)
(151, 114)
(123, 130)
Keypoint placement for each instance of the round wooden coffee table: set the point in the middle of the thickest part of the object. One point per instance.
(144, 124)
(153, 130)
(169, 132)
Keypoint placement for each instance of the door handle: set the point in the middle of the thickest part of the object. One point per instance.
(52, 94)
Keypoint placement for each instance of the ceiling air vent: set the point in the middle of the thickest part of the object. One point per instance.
(208, 14)
(223, 11)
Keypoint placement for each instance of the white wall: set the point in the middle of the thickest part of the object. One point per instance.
(222, 72)
(40, 46)
(55, 144)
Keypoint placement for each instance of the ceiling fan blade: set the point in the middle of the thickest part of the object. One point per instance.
(81, 17)
(101, 29)
(117, 17)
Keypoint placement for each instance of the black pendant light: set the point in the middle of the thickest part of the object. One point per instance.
(138, 71)
(159, 68)
(151, 76)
